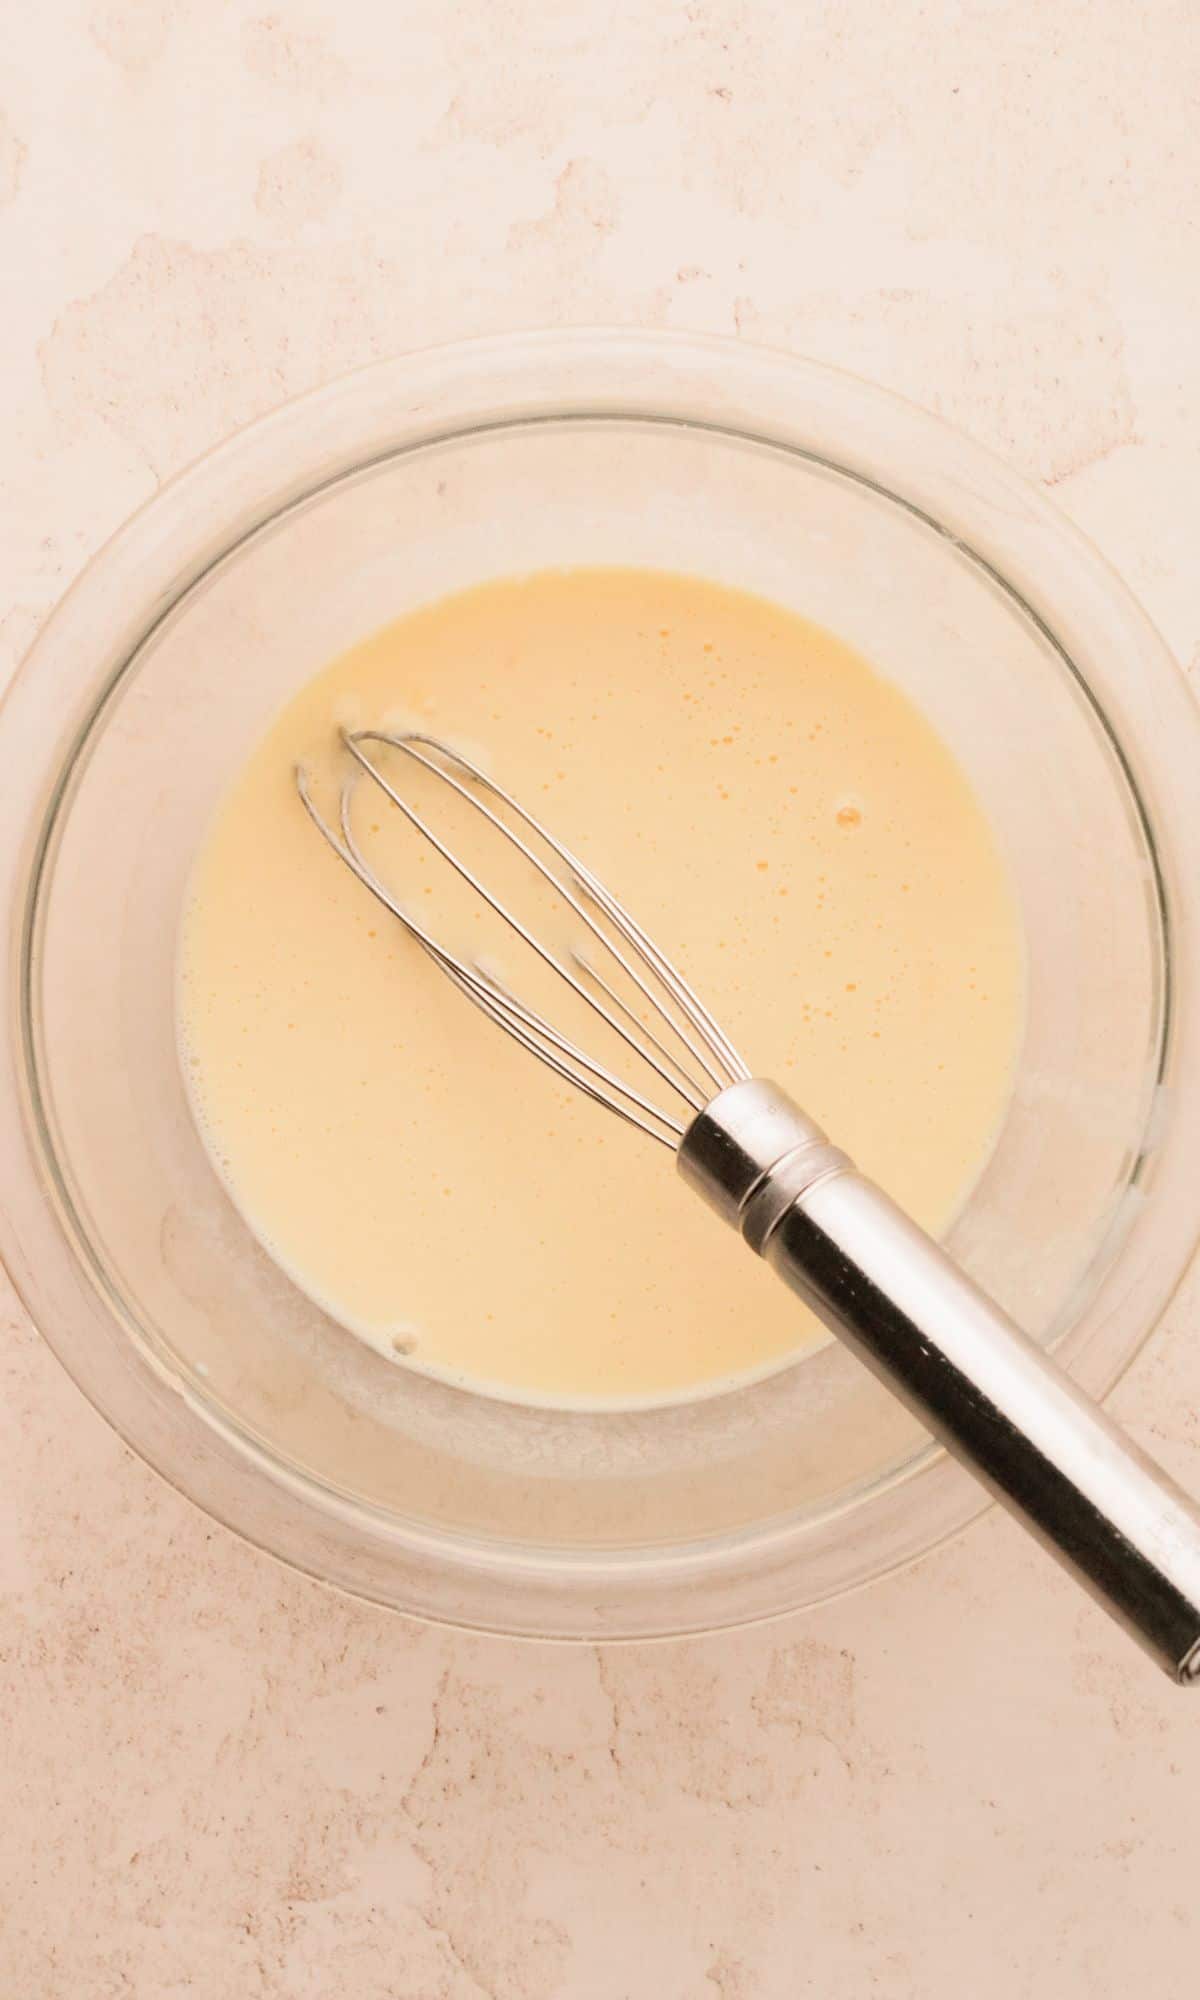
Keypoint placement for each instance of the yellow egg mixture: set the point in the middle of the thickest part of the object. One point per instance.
(779, 818)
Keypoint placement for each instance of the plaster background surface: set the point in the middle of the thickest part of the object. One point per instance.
(218, 1778)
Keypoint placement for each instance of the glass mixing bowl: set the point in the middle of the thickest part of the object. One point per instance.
(302, 534)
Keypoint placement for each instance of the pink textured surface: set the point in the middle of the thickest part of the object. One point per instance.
(220, 1779)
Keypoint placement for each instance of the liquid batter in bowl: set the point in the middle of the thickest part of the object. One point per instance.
(781, 820)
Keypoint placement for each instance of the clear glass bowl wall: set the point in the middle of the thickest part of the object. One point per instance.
(377, 496)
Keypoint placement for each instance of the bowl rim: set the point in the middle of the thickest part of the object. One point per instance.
(406, 403)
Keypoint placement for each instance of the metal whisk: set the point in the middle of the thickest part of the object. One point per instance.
(981, 1385)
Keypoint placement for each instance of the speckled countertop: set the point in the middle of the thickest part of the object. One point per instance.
(219, 1779)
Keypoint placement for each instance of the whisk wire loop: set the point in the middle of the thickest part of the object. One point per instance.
(685, 1051)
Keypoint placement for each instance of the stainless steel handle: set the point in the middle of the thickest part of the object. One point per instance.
(989, 1393)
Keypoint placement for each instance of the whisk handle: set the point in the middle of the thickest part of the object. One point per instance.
(988, 1392)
